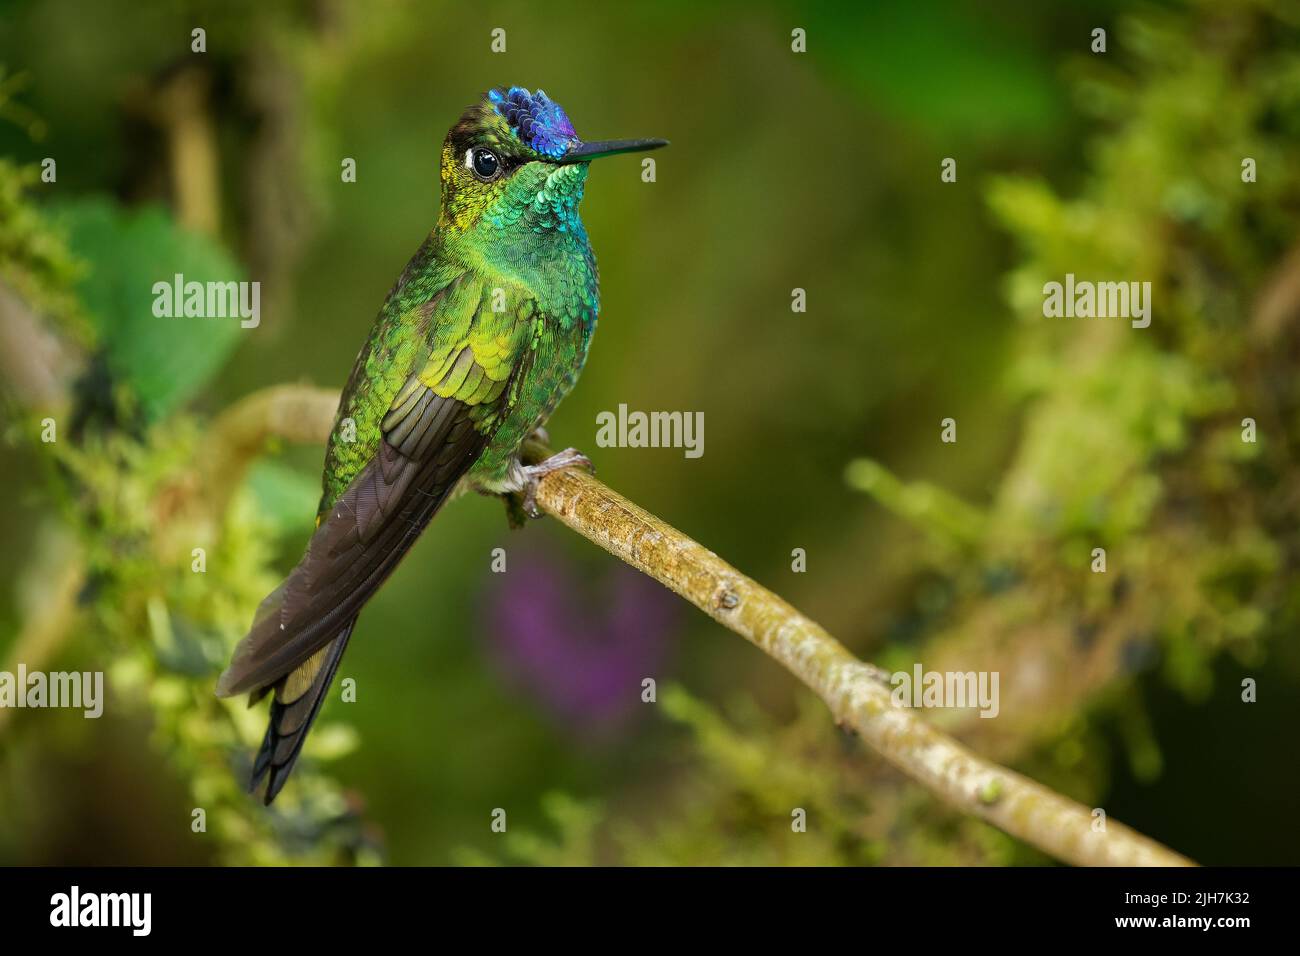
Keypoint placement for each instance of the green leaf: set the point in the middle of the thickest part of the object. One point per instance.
(166, 361)
(286, 497)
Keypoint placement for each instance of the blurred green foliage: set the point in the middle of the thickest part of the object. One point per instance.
(817, 171)
(1134, 440)
(163, 363)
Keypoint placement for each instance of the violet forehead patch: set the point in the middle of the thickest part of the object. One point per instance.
(536, 120)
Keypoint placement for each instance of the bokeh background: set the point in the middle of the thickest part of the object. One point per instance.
(816, 170)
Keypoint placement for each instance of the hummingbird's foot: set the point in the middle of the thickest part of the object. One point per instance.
(533, 474)
(516, 517)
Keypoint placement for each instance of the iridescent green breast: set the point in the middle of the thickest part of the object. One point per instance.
(504, 333)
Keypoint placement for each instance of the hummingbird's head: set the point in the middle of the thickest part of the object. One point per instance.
(513, 162)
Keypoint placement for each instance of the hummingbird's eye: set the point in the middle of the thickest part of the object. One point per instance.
(483, 163)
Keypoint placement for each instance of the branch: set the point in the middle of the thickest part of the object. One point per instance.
(296, 413)
(858, 694)
(52, 612)
(35, 363)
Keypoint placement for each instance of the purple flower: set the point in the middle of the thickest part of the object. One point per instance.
(579, 646)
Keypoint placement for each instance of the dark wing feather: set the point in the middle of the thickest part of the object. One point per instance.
(429, 443)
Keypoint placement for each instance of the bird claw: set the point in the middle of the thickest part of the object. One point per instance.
(533, 475)
(530, 501)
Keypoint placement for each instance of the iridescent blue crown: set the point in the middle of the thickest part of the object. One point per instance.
(538, 121)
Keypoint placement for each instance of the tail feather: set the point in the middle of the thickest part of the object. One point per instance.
(297, 701)
(302, 627)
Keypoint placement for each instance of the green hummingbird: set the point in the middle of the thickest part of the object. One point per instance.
(485, 331)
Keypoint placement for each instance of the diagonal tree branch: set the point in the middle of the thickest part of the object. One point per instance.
(858, 694)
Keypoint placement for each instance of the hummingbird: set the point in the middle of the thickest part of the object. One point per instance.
(484, 332)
